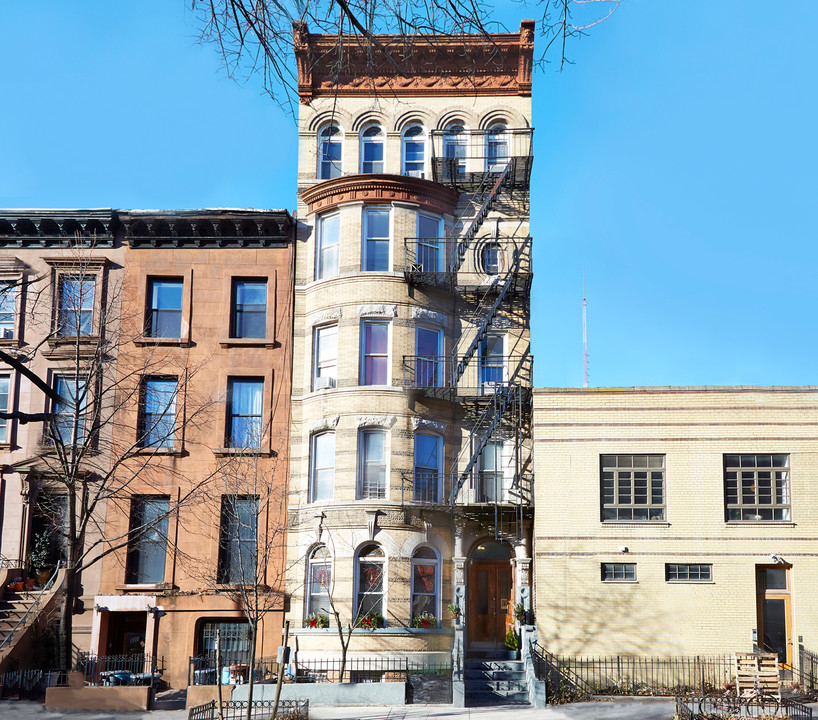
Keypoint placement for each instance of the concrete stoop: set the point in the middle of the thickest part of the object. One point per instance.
(495, 682)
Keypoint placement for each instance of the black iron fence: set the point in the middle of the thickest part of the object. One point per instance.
(314, 670)
(808, 671)
(120, 669)
(29, 684)
(260, 710)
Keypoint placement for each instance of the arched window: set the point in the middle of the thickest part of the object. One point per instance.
(496, 148)
(491, 259)
(329, 152)
(414, 151)
(369, 574)
(372, 149)
(319, 577)
(454, 148)
(425, 587)
(427, 473)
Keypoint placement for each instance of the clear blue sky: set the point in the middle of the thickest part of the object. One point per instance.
(676, 161)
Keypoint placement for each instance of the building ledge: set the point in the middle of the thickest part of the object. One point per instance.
(377, 631)
(249, 342)
(161, 342)
(145, 587)
(760, 523)
(244, 452)
(635, 523)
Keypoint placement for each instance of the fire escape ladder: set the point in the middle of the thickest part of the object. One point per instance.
(488, 422)
(488, 199)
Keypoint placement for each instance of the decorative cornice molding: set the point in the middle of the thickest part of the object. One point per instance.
(324, 316)
(421, 65)
(422, 423)
(377, 310)
(325, 423)
(384, 421)
(429, 195)
(430, 316)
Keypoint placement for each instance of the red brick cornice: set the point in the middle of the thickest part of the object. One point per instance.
(380, 188)
(427, 65)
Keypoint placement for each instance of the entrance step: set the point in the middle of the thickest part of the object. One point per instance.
(495, 682)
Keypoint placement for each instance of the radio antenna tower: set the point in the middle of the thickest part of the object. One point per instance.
(584, 334)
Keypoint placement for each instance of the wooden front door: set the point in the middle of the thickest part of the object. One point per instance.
(773, 608)
(490, 607)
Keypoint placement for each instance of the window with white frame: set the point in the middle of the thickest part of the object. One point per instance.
(8, 309)
(325, 357)
(454, 148)
(429, 253)
(330, 143)
(490, 473)
(164, 317)
(413, 153)
(428, 466)
(618, 572)
(371, 464)
(425, 584)
(370, 568)
(688, 573)
(757, 487)
(5, 386)
(319, 577)
(428, 357)
(374, 352)
(328, 245)
(322, 466)
(633, 487)
(68, 423)
(158, 412)
(244, 412)
(376, 244)
(76, 306)
(496, 148)
(372, 149)
(492, 360)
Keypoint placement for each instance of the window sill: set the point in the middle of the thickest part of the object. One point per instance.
(620, 582)
(9, 342)
(175, 452)
(145, 341)
(142, 587)
(5, 446)
(73, 340)
(635, 523)
(246, 452)
(762, 523)
(690, 582)
(249, 342)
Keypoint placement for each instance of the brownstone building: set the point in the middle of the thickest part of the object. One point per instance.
(207, 309)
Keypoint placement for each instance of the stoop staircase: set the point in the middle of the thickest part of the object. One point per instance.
(13, 607)
(495, 682)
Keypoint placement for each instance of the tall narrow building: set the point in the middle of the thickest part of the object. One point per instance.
(410, 481)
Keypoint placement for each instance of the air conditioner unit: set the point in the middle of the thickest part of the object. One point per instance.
(8, 333)
(416, 173)
(322, 383)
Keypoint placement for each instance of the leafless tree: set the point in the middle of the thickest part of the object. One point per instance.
(106, 433)
(256, 36)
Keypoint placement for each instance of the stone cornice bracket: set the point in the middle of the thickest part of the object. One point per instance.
(319, 525)
(372, 522)
(431, 316)
(384, 421)
(324, 423)
(328, 195)
(377, 310)
(422, 423)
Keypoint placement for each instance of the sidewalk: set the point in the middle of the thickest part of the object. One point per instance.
(641, 709)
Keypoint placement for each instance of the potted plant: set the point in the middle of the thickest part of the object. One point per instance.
(454, 611)
(369, 621)
(520, 612)
(316, 620)
(424, 621)
(512, 641)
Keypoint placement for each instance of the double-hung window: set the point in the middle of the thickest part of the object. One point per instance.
(428, 456)
(372, 464)
(76, 307)
(164, 318)
(428, 358)
(425, 578)
(158, 421)
(496, 148)
(8, 307)
(325, 357)
(414, 151)
(490, 473)
(757, 487)
(376, 239)
(238, 541)
(69, 411)
(454, 148)
(430, 243)
(5, 382)
(147, 539)
(249, 316)
(329, 152)
(370, 565)
(374, 352)
(492, 361)
(244, 417)
(322, 467)
(372, 149)
(326, 255)
(633, 487)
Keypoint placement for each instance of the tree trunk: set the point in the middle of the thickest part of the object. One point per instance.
(251, 671)
(67, 620)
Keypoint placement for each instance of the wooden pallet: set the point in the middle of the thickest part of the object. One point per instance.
(764, 666)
